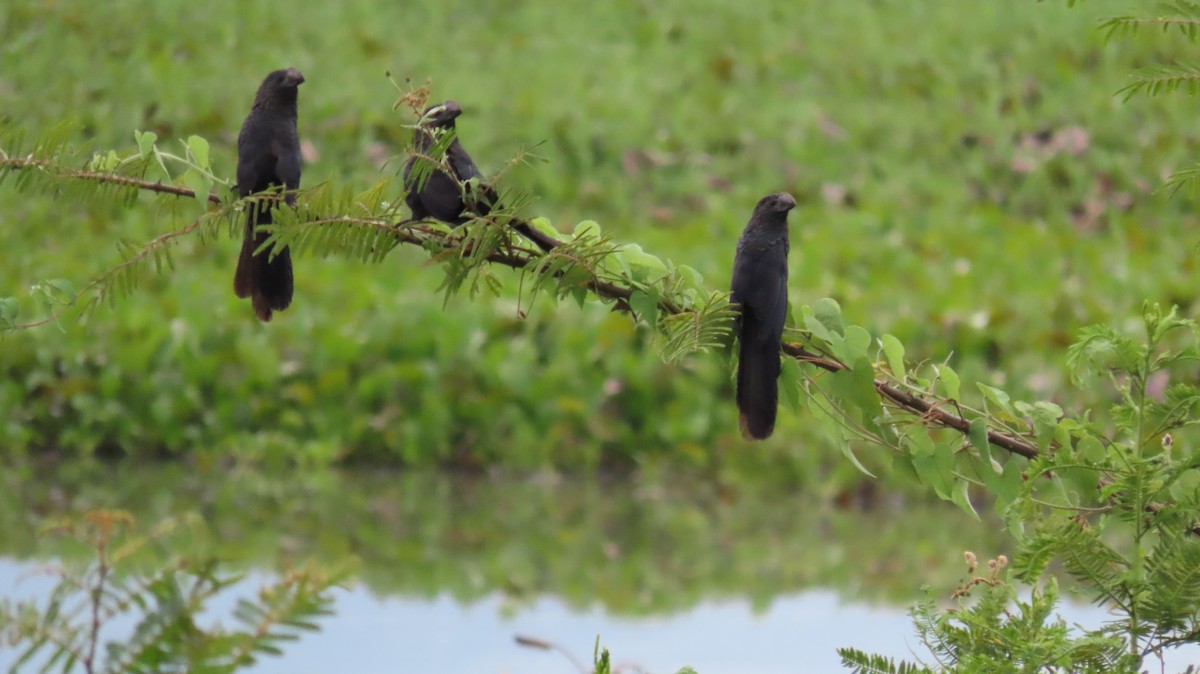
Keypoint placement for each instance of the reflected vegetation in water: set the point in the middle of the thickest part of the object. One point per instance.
(728, 578)
(632, 546)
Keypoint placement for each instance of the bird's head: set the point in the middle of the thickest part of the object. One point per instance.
(441, 115)
(775, 204)
(278, 90)
(287, 78)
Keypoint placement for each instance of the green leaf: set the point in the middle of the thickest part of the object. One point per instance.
(588, 229)
(691, 278)
(1045, 422)
(848, 452)
(544, 226)
(944, 455)
(962, 498)
(902, 467)
(924, 460)
(199, 149)
(791, 379)
(855, 389)
(855, 346)
(642, 266)
(1008, 487)
(949, 380)
(9, 310)
(932, 461)
(829, 313)
(859, 662)
(646, 306)
(56, 291)
(919, 442)
(997, 397)
(145, 142)
(1099, 350)
(601, 661)
(1090, 449)
(815, 326)
(200, 184)
(580, 293)
(894, 351)
(977, 434)
(1158, 325)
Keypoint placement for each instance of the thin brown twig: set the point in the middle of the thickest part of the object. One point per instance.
(154, 244)
(970, 584)
(546, 645)
(95, 176)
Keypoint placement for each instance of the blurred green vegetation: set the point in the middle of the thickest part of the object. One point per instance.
(966, 182)
(645, 545)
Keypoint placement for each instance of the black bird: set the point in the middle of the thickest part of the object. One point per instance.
(268, 156)
(760, 274)
(440, 195)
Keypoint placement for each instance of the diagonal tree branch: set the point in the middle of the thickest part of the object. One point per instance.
(916, 405)
(520, 258)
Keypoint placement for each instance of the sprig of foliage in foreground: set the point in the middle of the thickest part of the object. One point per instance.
(166, 603)
(1127, 532)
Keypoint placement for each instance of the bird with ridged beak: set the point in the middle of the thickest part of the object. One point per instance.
(440, 193)
(759, 294)
(268, 157)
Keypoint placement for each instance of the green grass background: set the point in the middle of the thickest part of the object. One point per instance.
(966, 178)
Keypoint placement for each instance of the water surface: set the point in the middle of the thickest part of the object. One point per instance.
(667, 571)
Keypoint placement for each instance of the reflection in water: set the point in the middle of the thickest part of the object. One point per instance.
(633, 546)
(384, 635)
(370, 635)
(731, 578)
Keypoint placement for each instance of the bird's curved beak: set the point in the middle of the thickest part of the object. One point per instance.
(431, 115)
(441, 114)
(451, 110)
(295, 77)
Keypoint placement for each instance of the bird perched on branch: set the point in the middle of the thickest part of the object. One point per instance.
(268, 157)
(439, 193)
(759, 292)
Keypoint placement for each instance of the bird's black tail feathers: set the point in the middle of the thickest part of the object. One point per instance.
(265, 280)
(757, 384)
